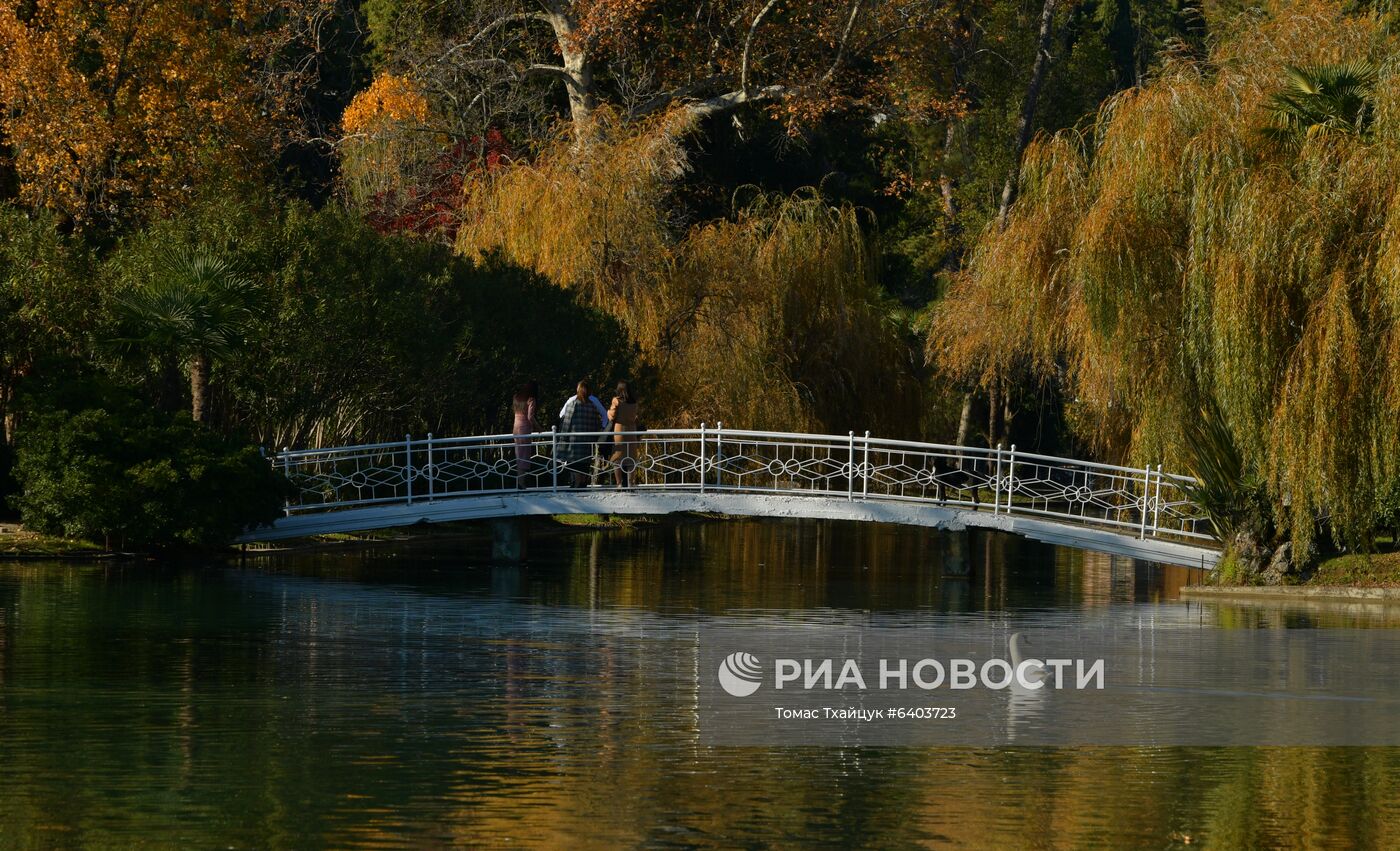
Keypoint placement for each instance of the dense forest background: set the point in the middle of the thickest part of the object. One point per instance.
(301, 222)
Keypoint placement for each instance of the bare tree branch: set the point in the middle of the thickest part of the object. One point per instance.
(665, 99)
(552, 71)
(748, 44)
(845, 38)
(492, 27)
(1025, 123)
(732, 100)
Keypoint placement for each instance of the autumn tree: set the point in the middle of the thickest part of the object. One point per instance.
(496, 64)
(1174, 259)
(116, 108)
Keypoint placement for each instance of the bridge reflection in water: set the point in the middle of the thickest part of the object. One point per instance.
(1143, 512)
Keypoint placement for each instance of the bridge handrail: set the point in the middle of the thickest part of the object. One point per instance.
(951, 448)
(999, 479)
(718, 432)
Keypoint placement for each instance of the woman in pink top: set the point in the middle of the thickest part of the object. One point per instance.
(523, 406)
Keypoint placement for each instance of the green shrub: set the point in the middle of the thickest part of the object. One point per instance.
(361, 336)
(116, 472)
(1387, 516)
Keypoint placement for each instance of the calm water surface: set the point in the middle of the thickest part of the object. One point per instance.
(416, 696)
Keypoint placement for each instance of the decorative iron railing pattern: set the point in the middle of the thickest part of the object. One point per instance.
(1146, 502)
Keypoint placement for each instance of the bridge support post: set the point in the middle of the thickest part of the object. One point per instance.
(510, 540)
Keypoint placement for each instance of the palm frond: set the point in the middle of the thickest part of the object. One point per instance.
(1224, 485)
(198, 301)
(1320, 100)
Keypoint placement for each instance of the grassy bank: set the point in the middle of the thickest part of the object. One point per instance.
(17, 542)
(599, 521)
(1380, 570)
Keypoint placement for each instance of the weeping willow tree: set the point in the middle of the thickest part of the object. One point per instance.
(776, 320)
(772, 318)
(1174, 255)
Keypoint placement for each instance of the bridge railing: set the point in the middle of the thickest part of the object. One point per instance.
(1142, 501)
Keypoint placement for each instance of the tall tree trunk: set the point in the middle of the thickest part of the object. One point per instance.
(993, 408)
(7, 417)
(1006, 415)
(954, 259)
(965, 420)
(578, 67)
(580, 86)
(945, 181)
(199, 385)
(1028, 105)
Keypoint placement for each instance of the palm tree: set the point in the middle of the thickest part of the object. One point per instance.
(1323, 99)
(199, 306)
(1227, 489)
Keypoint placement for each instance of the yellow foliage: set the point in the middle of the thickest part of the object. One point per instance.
(1173, 252)
(772, 319)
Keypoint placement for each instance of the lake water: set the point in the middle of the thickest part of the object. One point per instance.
(414, 695)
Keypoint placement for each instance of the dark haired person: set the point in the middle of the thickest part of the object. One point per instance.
(523, 405)
(623, 418)
(579, 424)
(598, 447)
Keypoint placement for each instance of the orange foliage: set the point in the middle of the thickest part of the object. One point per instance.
(114, 105)
(390, 99)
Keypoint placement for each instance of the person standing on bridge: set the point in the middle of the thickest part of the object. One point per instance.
(580, 423)
(622, 417)
(523, 406)
(607, 426)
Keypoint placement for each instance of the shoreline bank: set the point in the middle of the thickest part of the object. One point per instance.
(1389, 596)
(17, 544)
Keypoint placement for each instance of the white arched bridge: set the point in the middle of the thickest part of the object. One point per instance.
(1137, 512)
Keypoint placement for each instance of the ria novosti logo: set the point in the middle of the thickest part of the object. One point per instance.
(740, 674)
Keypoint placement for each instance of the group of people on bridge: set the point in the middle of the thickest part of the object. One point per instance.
(588, 433)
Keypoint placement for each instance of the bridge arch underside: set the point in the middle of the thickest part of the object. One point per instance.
(818, 507)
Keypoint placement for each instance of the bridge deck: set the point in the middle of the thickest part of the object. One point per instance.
(611, 501)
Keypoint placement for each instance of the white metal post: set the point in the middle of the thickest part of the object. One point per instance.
(1010, 477)
(719, 452)
(1146, 499)
(996, 484)
(1157, 502)
(701, 462)
(287, 473)
(408, 466)
(554, 456)
(428, 468)
(865, 468)
(851, 466)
